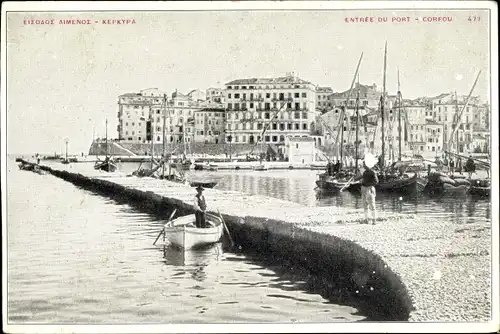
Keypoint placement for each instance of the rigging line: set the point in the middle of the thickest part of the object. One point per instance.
(275, 114)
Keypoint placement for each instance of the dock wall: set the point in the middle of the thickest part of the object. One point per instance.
(350, 273)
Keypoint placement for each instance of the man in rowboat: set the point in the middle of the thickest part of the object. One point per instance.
(200, 207)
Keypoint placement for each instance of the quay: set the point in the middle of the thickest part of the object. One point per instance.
(403, 268)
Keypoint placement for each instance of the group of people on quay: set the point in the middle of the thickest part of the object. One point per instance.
(450, 167)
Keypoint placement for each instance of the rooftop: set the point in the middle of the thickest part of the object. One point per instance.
(300, 139)
(278, 80)
(431, 122)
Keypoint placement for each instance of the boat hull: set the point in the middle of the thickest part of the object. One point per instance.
(105, 166)
(203, 184)
(480, 191)
(403, 186)
(183, 234)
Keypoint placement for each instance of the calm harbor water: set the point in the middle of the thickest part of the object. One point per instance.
(77, 257)
(74, 256)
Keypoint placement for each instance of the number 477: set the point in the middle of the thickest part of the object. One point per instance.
(474, 18)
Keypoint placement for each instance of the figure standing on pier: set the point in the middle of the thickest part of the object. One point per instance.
(200, 207)
(470, 167)
(369, 181)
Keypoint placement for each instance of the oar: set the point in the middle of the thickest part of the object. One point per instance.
(163, 229)
(226, 229)
(347, 184)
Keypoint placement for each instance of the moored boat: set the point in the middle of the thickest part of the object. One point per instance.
(260, 167)
(107, 165)
(204, 184)
(182, 232)
(480, 188)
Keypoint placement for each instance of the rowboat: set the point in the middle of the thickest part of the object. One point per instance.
(204, 184)
(260, 167)
(183, 233)
(405, 185)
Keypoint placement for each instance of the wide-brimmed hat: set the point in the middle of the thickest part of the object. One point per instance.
(370, 160)
(199, 187)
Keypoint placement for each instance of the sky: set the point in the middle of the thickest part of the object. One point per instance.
(63, 81)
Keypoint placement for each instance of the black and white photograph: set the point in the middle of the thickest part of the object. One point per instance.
(249, 166)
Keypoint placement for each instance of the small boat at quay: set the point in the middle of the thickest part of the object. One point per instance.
(206, 166)
(480, 188)
(260, 167)
(107, 165)
(183, 233)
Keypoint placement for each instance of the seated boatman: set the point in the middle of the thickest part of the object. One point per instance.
(200, 207)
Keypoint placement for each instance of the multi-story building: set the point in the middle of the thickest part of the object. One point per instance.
(323, 102)
(252, 105)
(416, 135)
(434, 138)
(197, 95)
(447, 115)
(215, 95)
(134, 109)
(209, 125)
(368, 96)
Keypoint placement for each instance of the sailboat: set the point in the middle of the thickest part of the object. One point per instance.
(337, 180)
(108, 165)
(389, 180)
(65, 160)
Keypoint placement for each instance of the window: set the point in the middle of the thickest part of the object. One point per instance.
(304, 126)
(268, 95)
(267, 106)
(297, 126)
(266, 115)
(282, 126)
(297, 115)
(275, 138)
(229, 87)
(158, 138)
(304, 115)
(304, 94)
(296, 145)
(229, 106)
(289, 126)
(275, 126)
(296, 95)
(266, 138)
(297, 106)
(289, 105)
(236, 96)
(244, 96)
(259, 126)
(236, 106)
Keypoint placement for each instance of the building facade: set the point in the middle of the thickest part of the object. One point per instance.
(209, 125)
(369, 96)
(301, 150)
(434, 138)
(215, 95)
(323, 102)
(283, 106)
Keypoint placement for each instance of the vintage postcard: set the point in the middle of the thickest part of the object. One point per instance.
(292, 166)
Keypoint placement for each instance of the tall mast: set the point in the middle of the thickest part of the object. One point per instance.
(164, 139)
(382, 111)
(107, 138)
(342, 138)
(456, 121)
(462, 111)
(151, 118)
(399, 117)
(66, 149)
(357, 131)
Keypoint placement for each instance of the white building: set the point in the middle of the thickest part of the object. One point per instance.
(252, 105)
(301, 150)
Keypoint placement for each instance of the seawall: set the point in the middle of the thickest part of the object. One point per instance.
(275, 230)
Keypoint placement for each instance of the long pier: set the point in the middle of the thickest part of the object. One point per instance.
(373, 267)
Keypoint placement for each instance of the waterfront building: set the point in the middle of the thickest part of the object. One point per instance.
(300, 150)
(416, 115)
(134, 109)
(434, 138)
(323, 102)
(251, 105)
(446, 113)
(209, 124)
(197, 95)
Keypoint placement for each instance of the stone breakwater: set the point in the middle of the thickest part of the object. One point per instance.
(346, 272)
(446, 267)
